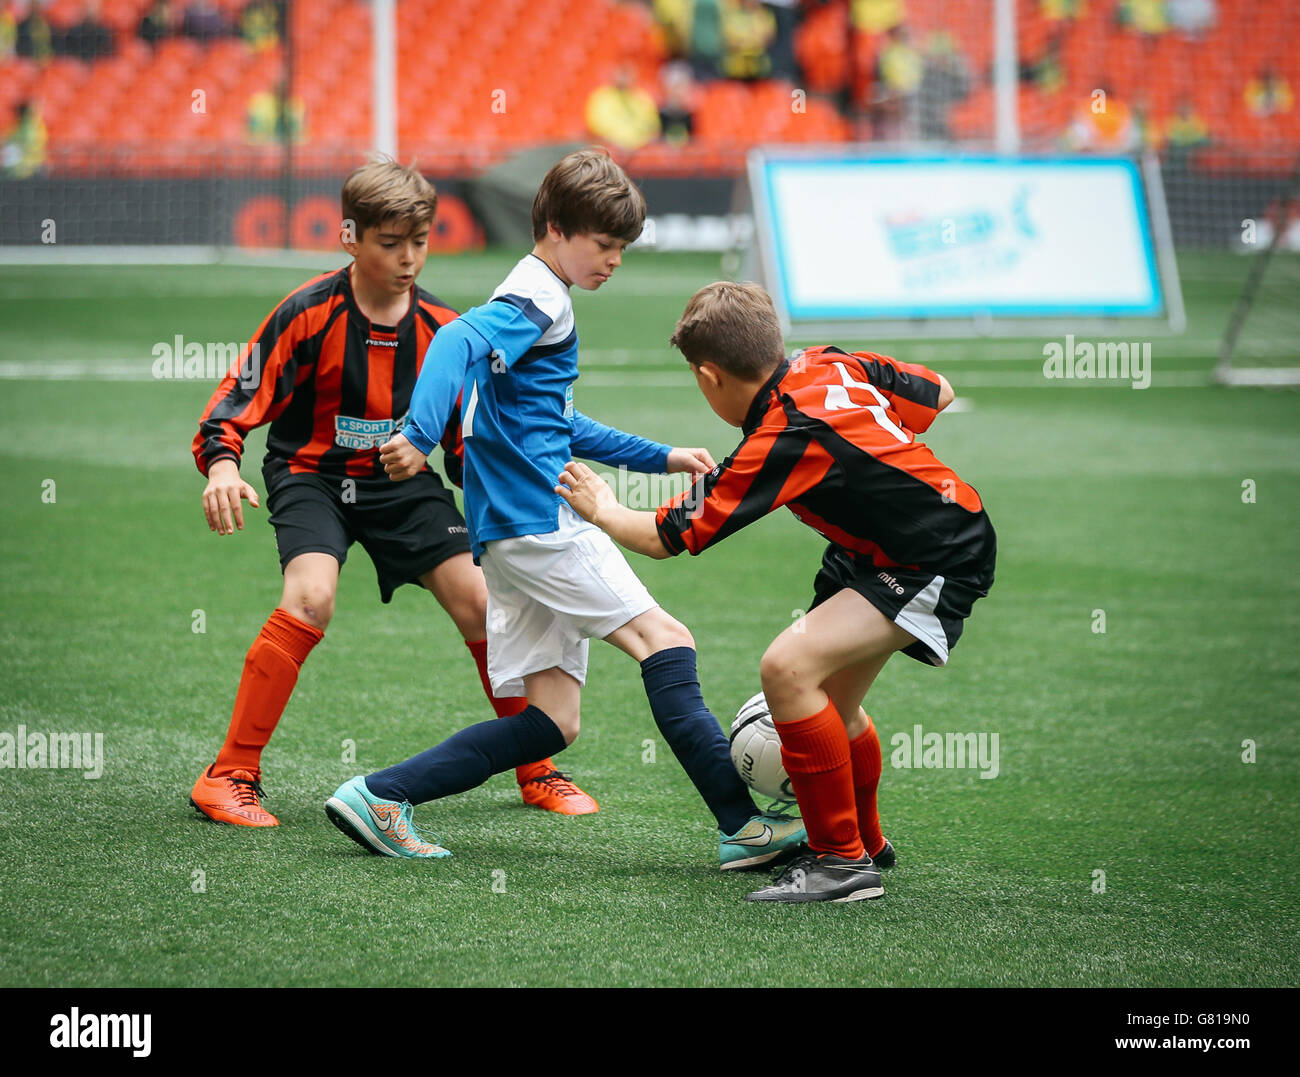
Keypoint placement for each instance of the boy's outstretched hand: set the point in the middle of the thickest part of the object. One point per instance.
(695, 462)
(400, 458)
(585, 491)
(223, 498)
(592, 499)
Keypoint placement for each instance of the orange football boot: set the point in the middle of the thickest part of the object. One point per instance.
(541, 784)
(232, 798)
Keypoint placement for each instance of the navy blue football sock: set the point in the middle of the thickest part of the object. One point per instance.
(692, 732)
(470, 757)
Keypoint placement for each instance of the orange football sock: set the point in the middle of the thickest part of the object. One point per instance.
(864, 752)
(270, 672)
(815, 751)
(505, 706)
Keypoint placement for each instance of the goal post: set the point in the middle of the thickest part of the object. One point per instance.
(1261, 345)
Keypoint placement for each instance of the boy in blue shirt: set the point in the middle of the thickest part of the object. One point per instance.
(554, 581)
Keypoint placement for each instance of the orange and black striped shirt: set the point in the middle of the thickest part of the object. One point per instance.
(333, 385)
(832, 436)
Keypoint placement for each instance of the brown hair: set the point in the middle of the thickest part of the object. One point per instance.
(382, 189)
(733, 325)
(588, 193)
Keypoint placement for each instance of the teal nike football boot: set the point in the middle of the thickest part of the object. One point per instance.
(383, 827)
(760, 841)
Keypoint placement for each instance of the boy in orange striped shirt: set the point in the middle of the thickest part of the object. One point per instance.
(831, 436)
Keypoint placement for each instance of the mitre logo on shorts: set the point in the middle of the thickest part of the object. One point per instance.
(890, 581)
(352, 433)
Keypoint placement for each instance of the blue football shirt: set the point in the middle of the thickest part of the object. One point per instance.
(513, 362)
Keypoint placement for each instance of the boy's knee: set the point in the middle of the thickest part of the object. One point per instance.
(313, 603)
(468, 611)
(779, 669)
(667, 632)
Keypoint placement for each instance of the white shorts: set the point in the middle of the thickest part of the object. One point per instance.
(549, 594)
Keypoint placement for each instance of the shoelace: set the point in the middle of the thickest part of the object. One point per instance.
(248, 791)
(407, 815)
(801, 862)
(780, 810)
(559, 782)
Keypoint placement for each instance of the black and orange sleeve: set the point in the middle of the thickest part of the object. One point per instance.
(912, 390)
(772, 466)
(256, 388)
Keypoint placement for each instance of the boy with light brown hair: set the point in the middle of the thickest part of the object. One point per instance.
(832, 436)
(508, 369)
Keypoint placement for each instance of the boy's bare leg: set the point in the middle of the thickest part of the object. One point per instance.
(560, 696)
(650, 632)
(846, 635)
(460, 589)
(849, 687)
(846, 631)
(458, 586)
(311, 582)
(229, 790)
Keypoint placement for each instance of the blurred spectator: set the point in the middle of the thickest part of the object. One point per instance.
(786, 15)
(945, 80)
(1063, 10)
(876, 16)
(706, 38)
(1192, 17)
(894, 96)
(32, 35)
(203, 21)
(748, 28)
(159, 22)
(86, 39)
(1103, 124)
(676, 113)
(674, 18)
(8, 33)
(23, 152)
(621, 113)
(269, 122)
(1267, 94)
(260, 22)
(1145, 16)
(1186, 129)
(1047, 73)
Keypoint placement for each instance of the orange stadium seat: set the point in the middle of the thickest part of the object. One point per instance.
(451, 58)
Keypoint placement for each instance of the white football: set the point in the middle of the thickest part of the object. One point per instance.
(756, 750)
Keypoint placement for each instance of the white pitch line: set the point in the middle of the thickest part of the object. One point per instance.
(77, 370)
(604, 369)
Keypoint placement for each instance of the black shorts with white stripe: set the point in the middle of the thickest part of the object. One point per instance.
(933, 608)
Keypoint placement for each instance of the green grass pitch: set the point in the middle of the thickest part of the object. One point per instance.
(1140, 830)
